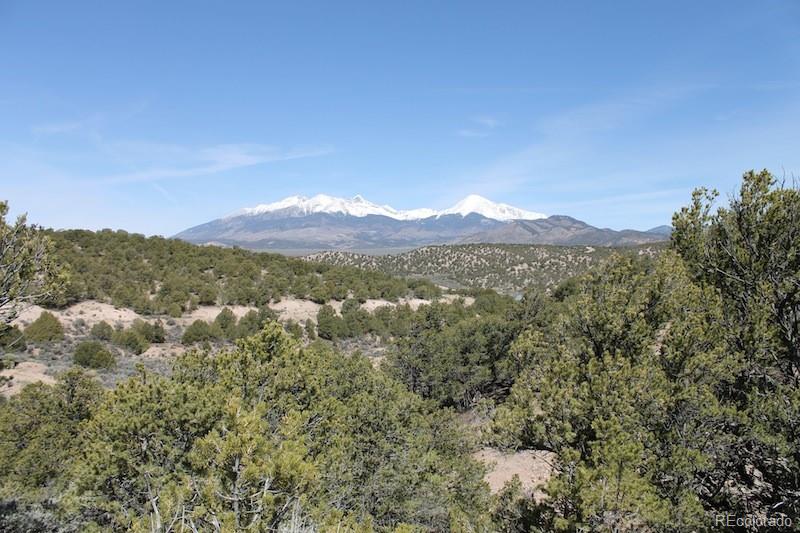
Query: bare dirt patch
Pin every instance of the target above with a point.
(450, 298)
(164, 350)
(534, 468)
(297, 310)
(302, 310)
(90, 312)
(23, 374)
(208, 313)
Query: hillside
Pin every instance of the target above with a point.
(507, 268)
(167, 276)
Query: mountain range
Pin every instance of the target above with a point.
(299, 224)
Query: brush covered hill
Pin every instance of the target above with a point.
(507, 268)
(153, 275)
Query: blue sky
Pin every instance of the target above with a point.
(156, 116)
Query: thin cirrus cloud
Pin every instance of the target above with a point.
(130, 161)
(90, 124)
(470, 133)
(480, 127)
(56, 128)
(209, 160)
(576, 134)
(610, 153)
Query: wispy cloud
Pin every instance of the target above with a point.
(488, 122)
(55, 128)
(215, 159)
(617, 200)
(612, 160)
(469, 133)
(481, 126)
(577, 134)
(163, 192)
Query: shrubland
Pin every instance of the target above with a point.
(669, 389)
(153, 275)
(506, 268)
(666, 386)
(267, 435)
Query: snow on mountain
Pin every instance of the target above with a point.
(360, 207)
(480, 205)
(322, 203)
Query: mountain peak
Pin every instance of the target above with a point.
(474, 203)
(358, 206)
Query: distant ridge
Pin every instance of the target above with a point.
(300, 225)
(661, 230)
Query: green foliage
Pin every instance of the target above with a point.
(226, 323)
(329, 325)
(515, 512)
(201, 331)
(749, 253)
(12, 339)
(136, 338)
(149, 332)
(294, 329)
(311, 331)
(39, 436)
(666, 384)
(92, 354)
(135, 449)
(131, 340)
(28, 271)
(174, 310)
(271, 434)
(253, 321)
(46, 328)
(454, 355)
(506, 268)
(603, 393)
(102, 331)
(157, 275)
(668, 389)
(355, 320)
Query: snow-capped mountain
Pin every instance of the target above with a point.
(480, 205)
(360, 207)
(299, 224)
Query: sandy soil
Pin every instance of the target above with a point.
(414, 303)
(23, 374)
(164, 350)
(297, 310)
(90, 311)
(534, 468)
(450, 298)
(302, 310)
(371, 305)
(209, 312)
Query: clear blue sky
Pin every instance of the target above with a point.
(156, 116)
